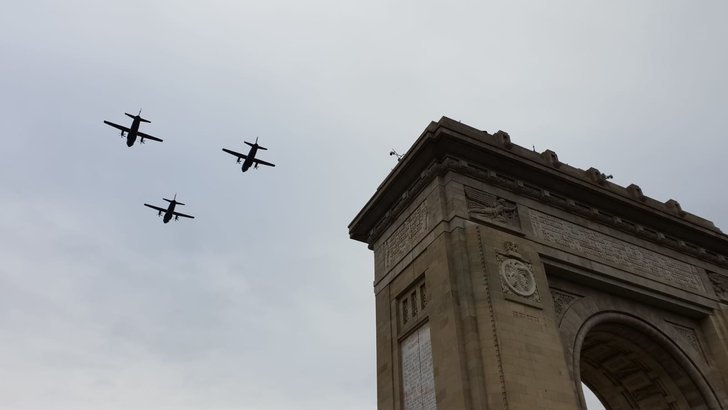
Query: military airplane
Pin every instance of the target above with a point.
(169, 212)
(133, 132)
(250, 158)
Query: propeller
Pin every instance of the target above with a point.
(141, 140)
(176, 217)
(238, 161)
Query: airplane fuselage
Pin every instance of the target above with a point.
(169, 213)
(132, 134)
(251, 156)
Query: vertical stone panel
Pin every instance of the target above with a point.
(417, 376)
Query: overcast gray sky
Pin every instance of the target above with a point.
(262, 301)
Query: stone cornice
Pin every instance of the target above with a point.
(528, 190)
(451, 146)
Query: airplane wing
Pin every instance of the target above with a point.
(237, 154)
(261, 162)
(147, 136)
(156, 207)
(183, 215)
(117, 126)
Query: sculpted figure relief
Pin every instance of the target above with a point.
(720, 284)
(501, 211)
(487, 207)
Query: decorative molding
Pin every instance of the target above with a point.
(597, 245)
(434, 170)
(562, 302)
(516, 275)
(512, 184)
(493, 327)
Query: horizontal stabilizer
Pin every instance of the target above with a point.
(136, 116)
(173, 200)
(255, 145)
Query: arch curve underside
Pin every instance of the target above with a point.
(628, 369)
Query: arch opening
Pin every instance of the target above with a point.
(629, 368)
(592, 401)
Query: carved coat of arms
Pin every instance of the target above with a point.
(516, 275)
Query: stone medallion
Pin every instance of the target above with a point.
(518, 277)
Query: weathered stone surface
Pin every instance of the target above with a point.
(418, 382)
(598, 246)
(406, 236)
(504, 278)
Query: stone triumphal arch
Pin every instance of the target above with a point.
(505, 278)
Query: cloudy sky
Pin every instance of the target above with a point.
(262, 301)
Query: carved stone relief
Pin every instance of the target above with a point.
(720, 284)
(599, 246)
(562, 301)
(689, 335)
(486, 207)
(404, 238)
(516, 274)
(518, 277)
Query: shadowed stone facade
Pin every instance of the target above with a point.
(505, 278)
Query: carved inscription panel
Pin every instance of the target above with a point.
(599, 246)
(418, 379)
(402, 240)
